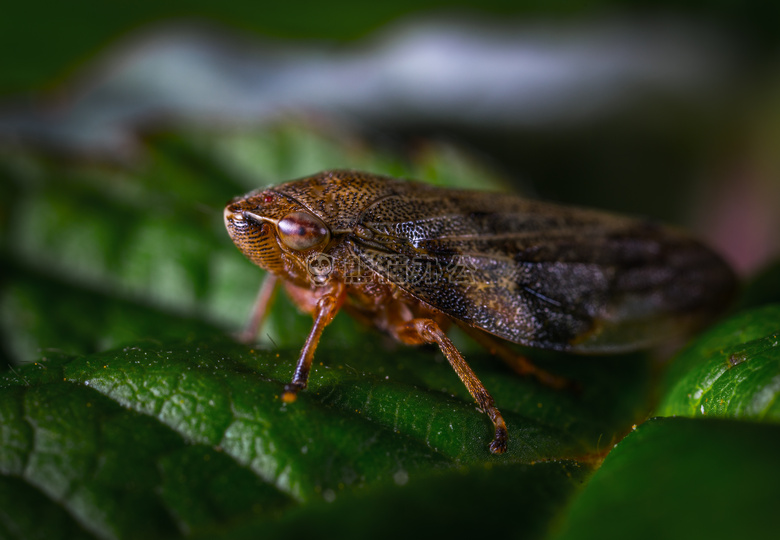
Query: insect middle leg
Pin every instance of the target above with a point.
(419, 331)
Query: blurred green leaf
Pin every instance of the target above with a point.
(39, 312)
(733, 370)
(682, 478)
(516, 500)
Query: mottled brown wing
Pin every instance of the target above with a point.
(540, 274)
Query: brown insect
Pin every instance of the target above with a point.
(411, 259)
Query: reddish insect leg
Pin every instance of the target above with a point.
(327, 307)
(263, 303)
(517, 362)
(428, 331)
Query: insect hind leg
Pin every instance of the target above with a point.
(418, 331)
(517, 362)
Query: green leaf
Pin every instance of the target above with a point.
(513, 500)
(194, 436)
(733, 370)
(105, 464)
(682, 478)
(39, 312)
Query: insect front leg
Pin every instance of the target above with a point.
(428, 331)
(265, 298)
(327, 307)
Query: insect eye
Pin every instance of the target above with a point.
(301, 230)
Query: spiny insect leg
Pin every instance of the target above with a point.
(327, 307)
(265, 298)
(517, 362)
(430, 332)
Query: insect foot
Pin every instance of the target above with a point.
(498, 446)
(291, 390)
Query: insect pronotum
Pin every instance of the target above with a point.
(412, 259)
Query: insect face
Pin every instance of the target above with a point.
(276, 233)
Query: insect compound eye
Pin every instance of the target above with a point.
(301, 230)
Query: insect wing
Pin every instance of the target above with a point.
(540, 274)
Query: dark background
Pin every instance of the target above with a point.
(708, 163)
(42, 41)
